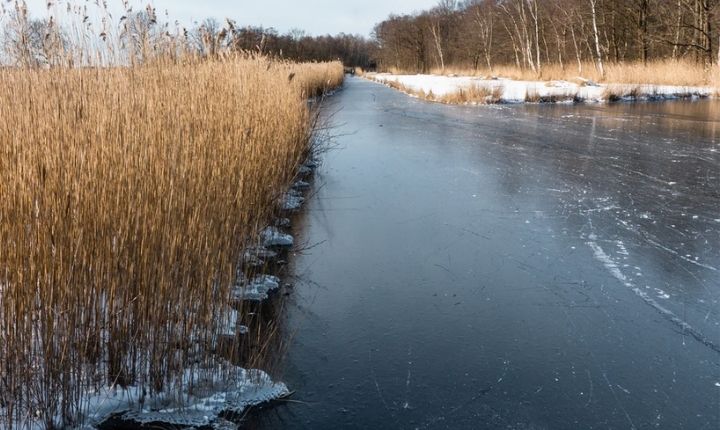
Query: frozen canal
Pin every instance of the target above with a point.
(514, 267)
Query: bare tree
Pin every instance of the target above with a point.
(138, 33)
(30, 42)
(598, 51)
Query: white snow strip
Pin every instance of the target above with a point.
(513, 91)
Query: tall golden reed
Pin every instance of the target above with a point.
(661, 72)
(127, 196)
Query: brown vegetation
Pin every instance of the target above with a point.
(660, 72)
(130, 191)
(475, 94)
(533, 96)
(648, 41)
(129, 195)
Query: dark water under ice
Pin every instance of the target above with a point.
(508, 267)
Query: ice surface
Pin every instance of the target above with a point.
(617, 273)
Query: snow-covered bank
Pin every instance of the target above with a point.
(202, 398)
(453, 89)
(203, 394)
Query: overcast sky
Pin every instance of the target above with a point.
(317, 17)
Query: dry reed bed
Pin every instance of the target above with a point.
(658, 80)
(475, 94)
(128, 197)
(662, 72)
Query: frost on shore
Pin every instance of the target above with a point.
(256, 290)
(292, 200)
(200, 399)
(512, 91)
(272, 236)
(206, 394)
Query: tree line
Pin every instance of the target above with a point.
(533, 33)
(141, 34)
(296, 45)
(468, 34)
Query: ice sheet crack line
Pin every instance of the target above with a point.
(614, 269)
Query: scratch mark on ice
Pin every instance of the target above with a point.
(590, 396)
(682, 257)
(377, 385)
(618, 403)
(611, 266)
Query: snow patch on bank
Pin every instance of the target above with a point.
(512, 91)
(272, 236)
(257, 290)
(293, 200)
(205, 395)
(199, 399)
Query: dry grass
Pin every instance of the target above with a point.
(614, 93)
(715, 79)
(533, 96)
(475, 94)
(680, 73)
(622, 81)
(130, 188)
(128, 196)
(404, 88)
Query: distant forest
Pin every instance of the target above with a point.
(532, 33)
(527, 34)
(352, 50)
(469, 34)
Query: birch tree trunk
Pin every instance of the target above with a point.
(598, 51)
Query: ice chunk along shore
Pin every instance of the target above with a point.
(257, 289)
(272, 236)
(206, 395)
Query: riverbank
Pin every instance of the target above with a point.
(492, 90)
(132, 196)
